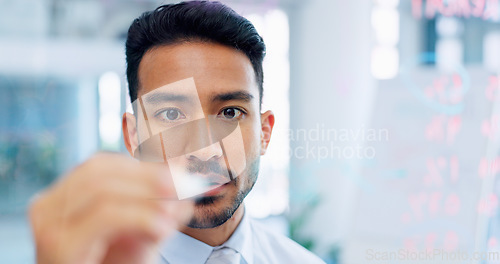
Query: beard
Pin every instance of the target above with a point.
(210, 215)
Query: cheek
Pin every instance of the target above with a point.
(241, 147)
(251, 139)
(234, 147)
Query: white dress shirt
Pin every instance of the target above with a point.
(255, 243)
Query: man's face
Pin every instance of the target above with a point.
(193, 91)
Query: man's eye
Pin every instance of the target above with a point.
(171, 114)
(231, 113)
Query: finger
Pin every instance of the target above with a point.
(90, 236)
(91, 183)
(136, 216)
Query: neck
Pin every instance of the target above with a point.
(218, 235)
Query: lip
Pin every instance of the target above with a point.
(216, 190)
(212, 178)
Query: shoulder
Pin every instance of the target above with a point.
(277, 248)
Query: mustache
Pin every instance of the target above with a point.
(206, 167)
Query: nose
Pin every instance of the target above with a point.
(213, 151)
(203, 143)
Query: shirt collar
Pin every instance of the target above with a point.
(241, 239)
(181, 248)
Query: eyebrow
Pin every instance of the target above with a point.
(239, 95)
(166, 97)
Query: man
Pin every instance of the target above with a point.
(195, 77)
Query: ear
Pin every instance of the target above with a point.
(129, 129)
(267, 124)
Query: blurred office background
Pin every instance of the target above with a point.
(388, 120)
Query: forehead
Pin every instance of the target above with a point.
(213, 67)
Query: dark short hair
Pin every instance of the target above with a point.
(192, 21)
